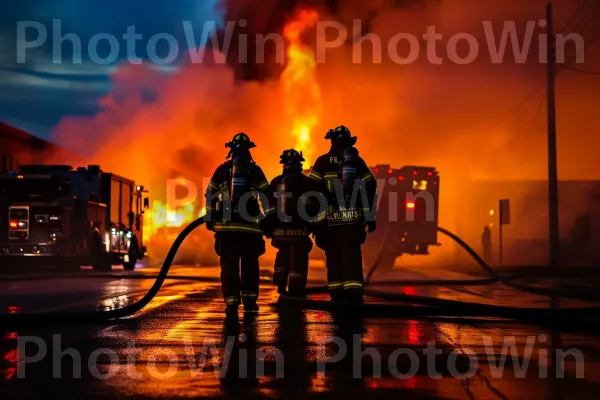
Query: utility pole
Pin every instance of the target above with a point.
(552, 157)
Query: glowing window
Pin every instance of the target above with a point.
(419, 185)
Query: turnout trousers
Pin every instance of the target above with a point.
(291, 264)
(239, 251)
(343, 254)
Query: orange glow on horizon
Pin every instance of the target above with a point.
(419, 114)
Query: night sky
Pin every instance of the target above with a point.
(36, 94)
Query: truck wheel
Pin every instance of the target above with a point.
(129, 266)
(133, 254)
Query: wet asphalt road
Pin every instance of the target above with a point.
(175, 346)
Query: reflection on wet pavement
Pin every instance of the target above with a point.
(182, 345)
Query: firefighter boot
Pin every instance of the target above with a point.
(250, 306)
(354, 298)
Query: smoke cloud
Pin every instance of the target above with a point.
(481, 120)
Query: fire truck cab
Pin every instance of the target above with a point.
(407, 214)
(55, 215)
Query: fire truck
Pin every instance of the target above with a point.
(64, 217)
(407, 214)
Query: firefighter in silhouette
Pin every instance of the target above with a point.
(350, 188)
(298, 209)
(580, 236)
(486, 243)
(234, 214)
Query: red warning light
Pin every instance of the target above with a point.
(414, 172)
(14, 224)
(390, 171)
(400, 178)
(376, 170)
(410, 205)
(429, 173)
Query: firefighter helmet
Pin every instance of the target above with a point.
(292, 158)
(341, 133)
(240, 141)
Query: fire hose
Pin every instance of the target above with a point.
(417, 305)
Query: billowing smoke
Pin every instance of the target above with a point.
(480, 120)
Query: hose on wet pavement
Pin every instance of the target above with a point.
(417, 305)
(432, 306)
(104, 315)
(511, 281)
(495, 277)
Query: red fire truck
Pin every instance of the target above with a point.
(56, 215)
(407, 214)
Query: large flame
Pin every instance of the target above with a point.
(417, 114)
(160, 218)
(302, 100)
(301, 90)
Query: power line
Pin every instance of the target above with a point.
(586, 47)
(518, 106)
(585, 9)
(589, 43)
(587, 15)
(542, 102)
(581, 8)
(581, 71)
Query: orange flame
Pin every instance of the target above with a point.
(161, 217)
(302, 92)
(302, 98)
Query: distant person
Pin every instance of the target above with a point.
(486, 243)
(580, 235)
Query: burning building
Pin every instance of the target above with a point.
(418, 113)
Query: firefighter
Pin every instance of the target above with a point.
(486, 243)
(234, 214)
(346, 218)
(580, 236)
(298, 209)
